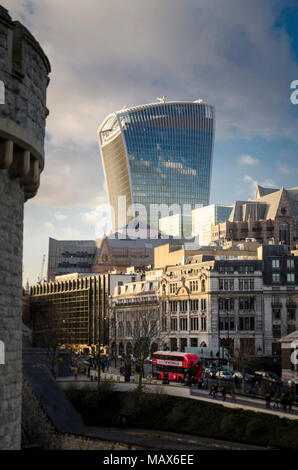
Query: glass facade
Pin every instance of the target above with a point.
(168, 151)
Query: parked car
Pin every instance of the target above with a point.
(240, 376)
(268, 376)
(224, 374)
(210, 372)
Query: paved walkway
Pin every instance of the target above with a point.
(243, 402)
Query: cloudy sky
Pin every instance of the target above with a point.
(238, 55)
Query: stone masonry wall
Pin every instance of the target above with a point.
(11, 242)
(24, 70)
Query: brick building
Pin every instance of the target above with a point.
(271, 217)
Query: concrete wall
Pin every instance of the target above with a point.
(24, 71)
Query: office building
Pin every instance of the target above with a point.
(176, 225)
(158, 153)
(237, 304)
(68, 256)
(204, 217)
(73, 310)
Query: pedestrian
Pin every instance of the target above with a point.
(210, 390)
(290, 403)
(75, 373)
(165, 378)
(236, 380)
(275, 398)
(284, 402)
(108, 365)
(88, 372)
(103, 365)
(233, 395)
(224, 393)
(214, 391)
(268, 400)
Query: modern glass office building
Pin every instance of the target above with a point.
(159, 153)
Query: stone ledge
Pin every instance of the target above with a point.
(20, 164)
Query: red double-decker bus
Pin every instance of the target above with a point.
(175, 364)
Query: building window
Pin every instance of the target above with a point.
(203, 304)
(227, 323)
(284, 234)
(183, 305)
(246, 303)
(226, 284)
(275, 314)
(173, 306)
(276, 331)
(275, 264)
(174, 324)
(290, 264)
(194, 305)
(194, 342)
(183, 344)
(183, 324)
(203, 324)
(291, 329)
(275, 277)
(291, 314)
(246, 323)
(173, 287)
(194, 323)
(225, 304)
(246, 284)
(194, 286)
(164, 323)
(173, 344)
(291, 277)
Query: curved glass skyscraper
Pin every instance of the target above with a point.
(159, 153)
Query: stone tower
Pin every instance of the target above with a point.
(24, 70)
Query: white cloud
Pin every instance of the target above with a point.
(100, 219)
(267, 183)
(60, 217)
(68, 233)
(284, 169)
(248, 160)
(49, 226)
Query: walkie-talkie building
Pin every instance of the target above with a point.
(159, 153)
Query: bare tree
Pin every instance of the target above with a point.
(147, 335)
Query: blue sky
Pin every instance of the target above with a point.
(239, 56)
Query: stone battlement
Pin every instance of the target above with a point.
(24, 70)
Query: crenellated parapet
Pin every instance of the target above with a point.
(24, 70)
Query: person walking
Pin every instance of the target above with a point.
(268, 400)
(275, 398)
(284, 402)
(233, 395)
(290, 403)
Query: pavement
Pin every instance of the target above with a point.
(243, 402)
